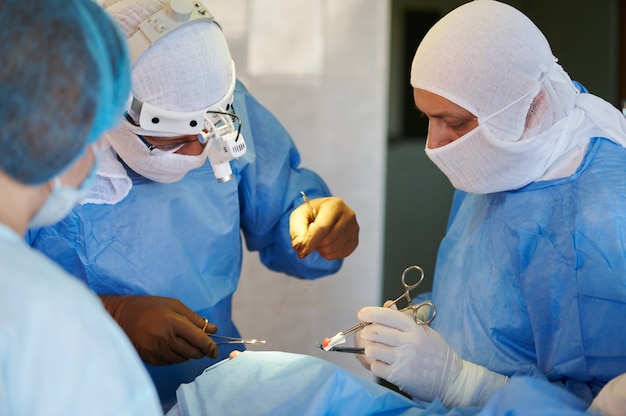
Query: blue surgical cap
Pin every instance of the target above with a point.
(64, 80)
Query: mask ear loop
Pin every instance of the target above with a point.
(536, 90)
(89, 179)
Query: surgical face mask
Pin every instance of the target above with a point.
(165, 167)
(480, 163)
(62, 199)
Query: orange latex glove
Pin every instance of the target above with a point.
(334, 232)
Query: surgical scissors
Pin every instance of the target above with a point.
(330, 343)
(231, 340)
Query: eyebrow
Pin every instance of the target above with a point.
(447, 115)
(443, 114)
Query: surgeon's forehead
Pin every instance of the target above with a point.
(434, 105)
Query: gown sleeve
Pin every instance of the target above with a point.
(269, 190)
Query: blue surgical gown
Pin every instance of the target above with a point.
(533, 281)
(60, 352)
(183, 240)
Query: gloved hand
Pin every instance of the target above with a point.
(422, 313)
(359, 342)
(334, 233)
(419, 361)
(611, 401)
(163, 330)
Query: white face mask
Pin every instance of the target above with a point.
(61, 200)
(480, 163)
(163, 168)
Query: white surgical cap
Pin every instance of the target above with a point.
(188, 69)
(486, 56)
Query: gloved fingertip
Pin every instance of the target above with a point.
(296, 244)
(365, 333)
(362, 313)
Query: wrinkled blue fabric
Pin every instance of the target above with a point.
(533, 281)
(60, 352)
(183, 240)
(530, 396)
(279, 383)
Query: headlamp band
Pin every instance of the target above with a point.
(155, 119)
(177, 14)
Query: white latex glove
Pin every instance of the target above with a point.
(422, 313)
(419, 361)
(359, 342)
(611, 401)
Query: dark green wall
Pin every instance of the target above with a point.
(584, 37)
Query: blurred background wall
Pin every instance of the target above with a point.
(321, 67)
(335, 72)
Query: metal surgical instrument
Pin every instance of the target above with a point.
(329, 344)
(308, 204)
(231, 340)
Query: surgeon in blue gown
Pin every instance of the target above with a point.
(531, 275)
(64, 79)
(160, 237)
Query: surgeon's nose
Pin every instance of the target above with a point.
(438, 137)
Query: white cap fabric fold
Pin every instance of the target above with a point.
(187, 70)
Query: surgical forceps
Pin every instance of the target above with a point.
(329, 344)
(231, 340)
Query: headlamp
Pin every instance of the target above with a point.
(216, 125)
(177, 14)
